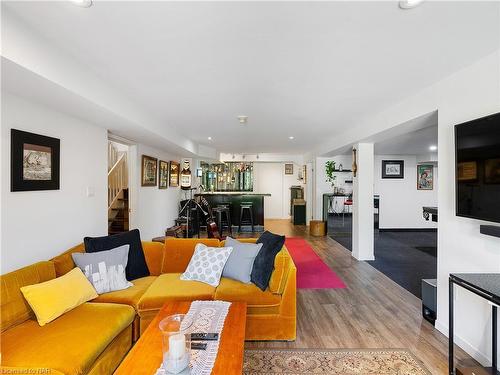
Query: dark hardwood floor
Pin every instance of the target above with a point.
(372, 312)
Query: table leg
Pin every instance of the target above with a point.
(494, 336)
(451, 362)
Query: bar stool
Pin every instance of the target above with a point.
(220, 210)
(347, 203)
(246, 207)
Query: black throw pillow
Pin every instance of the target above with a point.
(136, 264)
(263, 264)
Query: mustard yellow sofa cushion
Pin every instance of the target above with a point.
(14, 308)
(169, 287)
(258, 301)
(153, 252)
(281, 262)
(178, 252)
(52, 298)
(70, 344)
(113, 355)
(63, 263)
(129, 296)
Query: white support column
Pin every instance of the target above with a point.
(362, 212)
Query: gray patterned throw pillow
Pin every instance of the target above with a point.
(105, 269)
(207, 264)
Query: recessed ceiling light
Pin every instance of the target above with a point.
(291, 137)
(243, 119)
(82, 3)
(209, 138)
(433, 148)
(409, 4)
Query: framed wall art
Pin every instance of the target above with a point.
(149, 171)
(425, 177)
(393, 169)
(288, 168)
(163, 174)
(174, 174)
(34, 161)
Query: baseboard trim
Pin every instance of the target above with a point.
(407, 230)
(468, 348)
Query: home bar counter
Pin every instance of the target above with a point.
(234, 200)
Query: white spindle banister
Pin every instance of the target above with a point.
(117, 179)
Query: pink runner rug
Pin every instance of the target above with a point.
(312, 272)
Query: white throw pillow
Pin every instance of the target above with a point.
(207, 264)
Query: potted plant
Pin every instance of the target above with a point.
(329, 170)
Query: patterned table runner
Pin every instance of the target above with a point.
(207, 317)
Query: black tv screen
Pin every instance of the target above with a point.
(477, 145)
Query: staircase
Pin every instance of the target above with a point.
(118, 197)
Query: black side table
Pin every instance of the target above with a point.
(487, 286)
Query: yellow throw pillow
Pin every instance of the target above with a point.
(50, 299)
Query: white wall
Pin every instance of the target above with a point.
(400, 201)
(468, 94)
(41, 224)
(270, 178)
(38, 225)
(153, 209)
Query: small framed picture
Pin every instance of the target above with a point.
(393, 169)
(163, 175)
(149, 170)
(174, 174)
(288, 168)
(34, 161)
(425, 177)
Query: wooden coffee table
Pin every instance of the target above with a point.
(146, 355)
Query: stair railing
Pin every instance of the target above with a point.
(117, 179)
(113, 155)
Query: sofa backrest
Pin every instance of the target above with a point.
(14, 308)
(153, 251)
(178, 252)
(63, 263)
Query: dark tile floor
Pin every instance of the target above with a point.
(406, 257)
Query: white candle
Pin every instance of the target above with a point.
(176, 346)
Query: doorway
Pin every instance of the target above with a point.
(118, 187)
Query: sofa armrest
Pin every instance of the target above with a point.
(288, 305)
(153, 251)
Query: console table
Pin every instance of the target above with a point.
(487, 286)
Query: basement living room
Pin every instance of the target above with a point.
(289, 187)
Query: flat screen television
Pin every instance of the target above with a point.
(477, 145)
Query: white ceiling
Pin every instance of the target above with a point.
(412, 143)
(295, 68)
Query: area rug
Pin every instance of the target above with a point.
(312, 272)
(332, 362)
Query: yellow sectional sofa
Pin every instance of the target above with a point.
(90, 339)
(94, 337)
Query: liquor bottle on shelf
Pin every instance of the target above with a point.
(185, 176)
